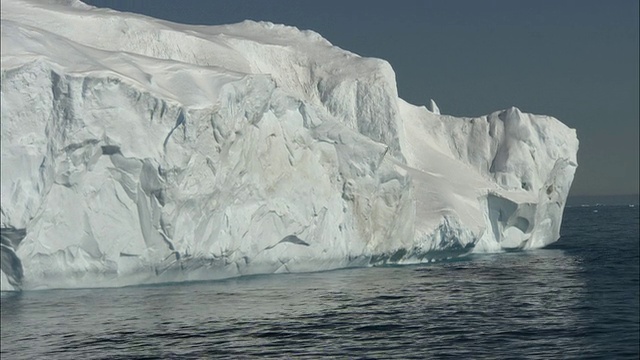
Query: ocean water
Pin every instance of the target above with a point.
(577, 299)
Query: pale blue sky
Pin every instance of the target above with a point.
(576, 60)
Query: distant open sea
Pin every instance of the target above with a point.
(577, 299)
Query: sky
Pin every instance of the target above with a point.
(576, 60)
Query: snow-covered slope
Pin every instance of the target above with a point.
(136, 150)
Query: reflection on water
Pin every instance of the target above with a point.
(568, 302)
(515, 302)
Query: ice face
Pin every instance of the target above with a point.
(145, 151)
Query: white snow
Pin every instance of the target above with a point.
(434, 107)
(136, 150)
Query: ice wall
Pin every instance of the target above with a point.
(143, 151)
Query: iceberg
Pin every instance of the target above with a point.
(135, 150)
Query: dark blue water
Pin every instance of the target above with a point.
(577, 299)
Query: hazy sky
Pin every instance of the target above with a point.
(576, 60)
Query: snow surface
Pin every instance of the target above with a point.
(136, 151)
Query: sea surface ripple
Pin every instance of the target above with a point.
(577, 299)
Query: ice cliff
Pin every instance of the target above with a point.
(136, 150)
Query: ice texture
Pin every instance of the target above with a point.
(137, 151)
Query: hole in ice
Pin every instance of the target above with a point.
(550, 189)
(294, 240)
(290, 239)
(522, 224)
(12, 237)
(10, 263)
(127, 255)
(398, 255)
(110, 149)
